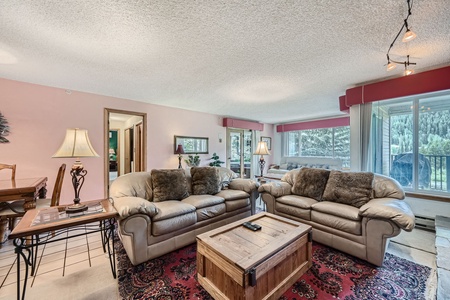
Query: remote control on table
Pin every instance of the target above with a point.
(258, 227)
(249, 226)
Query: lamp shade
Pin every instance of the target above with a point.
(76, 144)
(179, 150)
(262, 149)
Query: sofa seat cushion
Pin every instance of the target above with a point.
(297, 201)
(233, 205)
(173, 224)
(200, 201)
(209, 212)
(232, 194)
(172, 208)
(294, 211)
(337, 209)
(335, 222)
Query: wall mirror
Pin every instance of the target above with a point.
(191, 145)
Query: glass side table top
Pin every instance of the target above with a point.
(58, 213)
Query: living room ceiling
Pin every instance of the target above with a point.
(262, 60)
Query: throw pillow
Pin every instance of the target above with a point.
(169, 184)
(310, 183)
(205, 180)
(352, 188)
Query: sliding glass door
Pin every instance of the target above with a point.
(239, 152)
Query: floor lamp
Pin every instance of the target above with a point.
(76, 144)
(262, 150)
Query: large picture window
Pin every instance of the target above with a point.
(411, 142)
(324, 142)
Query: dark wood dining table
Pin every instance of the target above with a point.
(28, 189)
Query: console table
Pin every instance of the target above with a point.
(56, 223)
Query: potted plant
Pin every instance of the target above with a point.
(216, 161)
(193, 160)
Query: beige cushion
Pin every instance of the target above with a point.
(246, 185)
(233, 205)
(136, 184)
(199, 201)
(127, 206)
(289, 177)
(297, 201)
(172, 208)
(209, 212)
(205, 180)
(352, 188)
(310, 182)
(386, 187)
(226, 176)
(232, 194)
(169, 184)
(397, 211)
(276, 189)
(294, 211)
(335, 222)
(172, 224)
(337, 209)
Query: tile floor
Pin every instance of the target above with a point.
(57, 261)
(87, 267)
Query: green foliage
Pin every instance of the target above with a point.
(216, 161)
(193, 160)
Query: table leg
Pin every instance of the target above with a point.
(109, 227)
(20, 244)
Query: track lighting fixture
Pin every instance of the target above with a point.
(408, 36)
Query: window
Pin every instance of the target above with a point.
(324, 142)
(411, 141)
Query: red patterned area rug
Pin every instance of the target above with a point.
(333, 275)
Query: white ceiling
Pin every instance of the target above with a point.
(264, 60)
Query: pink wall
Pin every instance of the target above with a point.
(39, 116)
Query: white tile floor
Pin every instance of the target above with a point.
(58, 262)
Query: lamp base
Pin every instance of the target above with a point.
(75, 208)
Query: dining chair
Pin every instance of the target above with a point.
(15, 209)
(12, 167)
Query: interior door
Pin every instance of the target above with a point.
(138, 161)
(239, 152)
(128, 150)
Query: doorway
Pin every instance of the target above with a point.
(125, 143)
(239, 152)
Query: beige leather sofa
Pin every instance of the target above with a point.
(362, 231)
(149, 229)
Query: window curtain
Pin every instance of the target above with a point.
(365, 126)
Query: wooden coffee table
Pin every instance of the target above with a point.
(234, 262)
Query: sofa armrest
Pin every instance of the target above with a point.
(246, 185)
(398, 211)
(128, 206)
(276, 189)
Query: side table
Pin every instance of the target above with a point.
(57, 223)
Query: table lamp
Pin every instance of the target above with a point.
(76, 144)
(262, 150)
(179, 151)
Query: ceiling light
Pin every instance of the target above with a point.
(408, 36)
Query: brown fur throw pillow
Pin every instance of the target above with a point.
(352, 188)
(169, 184)
(310, 182)
(205, 180)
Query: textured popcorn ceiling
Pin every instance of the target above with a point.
(264, 60)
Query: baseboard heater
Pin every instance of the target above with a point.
(426, 223)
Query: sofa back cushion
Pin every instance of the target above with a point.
(136, 184)
(352, 188)
(290, 176)
(169, 184)
(205, 180)
(311, 183)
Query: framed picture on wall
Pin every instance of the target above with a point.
(268, 141)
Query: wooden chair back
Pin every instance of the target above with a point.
(58, 186)
(13, 170)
